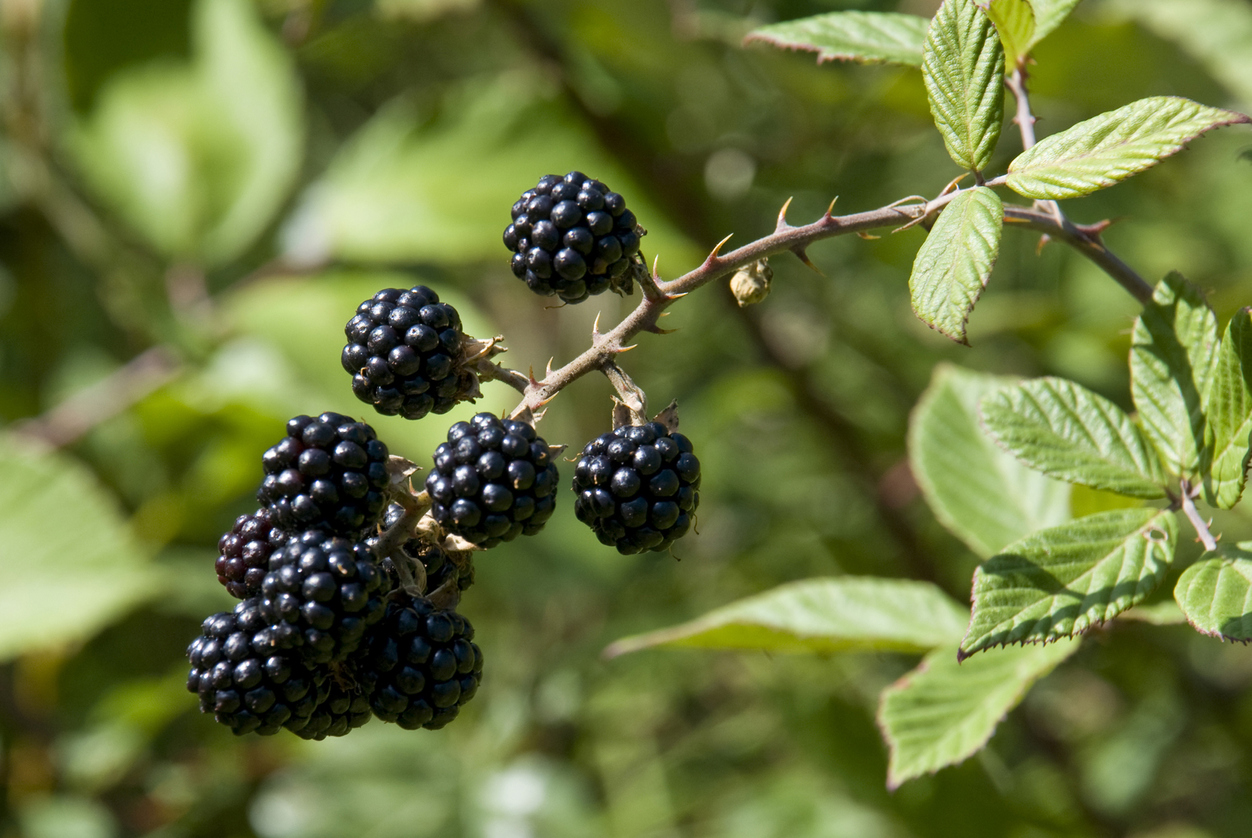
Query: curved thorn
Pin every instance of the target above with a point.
(656, 330)
(715, 254)
(595, 329)
(782, 218)
(656, 268)
(830, 208)
(804, 257)
(620, 349)
(869, 237)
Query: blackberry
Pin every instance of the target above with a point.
(440, 566)
(244, 552)
(637, 487)
(321, 594)
(404, 354)
(327, 472)
(345, 706)
(572, 237)
(245, 680)
(493, 481)
(424, 663)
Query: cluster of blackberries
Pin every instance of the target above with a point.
(405, 354)
(572, 237)
(326, 636)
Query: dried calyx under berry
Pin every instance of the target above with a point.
(244, 553)
(637, 487)
(327, 472)
(493, 480)
(406, 354)
(572, 237)
(440, 565)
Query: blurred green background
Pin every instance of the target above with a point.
(195, 194)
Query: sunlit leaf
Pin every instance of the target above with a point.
(943, 712)
(1062, 581)
(955, 261)
(1049, 14)
(1015, 21)
(976, 489)
(1173, 347)
(851, 36)
(1066, 431)
(1216, 592)
(821, 615)
(1112, 146)
(1228, 415)
(963, 68)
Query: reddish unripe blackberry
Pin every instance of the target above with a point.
(637, 487)
(493, 480)
(328, 472)
(321, 594)
(245, 680)
(424, 664)
(571, 236)
(439, 566)
(404, 354)
(244, 553)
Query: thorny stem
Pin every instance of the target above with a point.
(1193, 515)
(1016, 83)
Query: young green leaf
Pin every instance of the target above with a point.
(963, 69)
(1172, 350)
(1064, 430)
(865, 37)
(1048, 15)
(955, 261)
(943, 711)
(1112, 146)
(981, 493)
(1062, 581)
(846, 614)
(1015, 21)
(1228, 413)
(1216, 592)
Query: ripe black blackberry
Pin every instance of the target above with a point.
(424, 663)
(327, 472)
(438, 564)
(244, 553)
(572, 237)
(321, 594)
(493, 481)
(245, 681)
(345, 706)
(637, 487)
(404, 353)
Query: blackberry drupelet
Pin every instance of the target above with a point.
(637, 487)
(572, 237)
(245, 681)
(424, 663)
(345, 707)
(493, 481)
(328, 472)
(321, 594)
(244, 553)
(440, 566)
(404, 354)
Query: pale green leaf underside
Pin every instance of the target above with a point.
(1228, 415)
(1015, 21)
(955, 261)
(1049, 14)
(980, 492)
(1066, 431)
(1062, 581)
(963, 69)
(68, 565)
(1216, 593)
(851, 36)
(821, 615)
(1173, 347)
(1112, 146)
(944, 711)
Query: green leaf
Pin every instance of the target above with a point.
(821, 615)
(1112, 146)
(1048, 15)
(944, 712)
(975, 488)
(955, 261)
(1228, 414)
(1066, 431)
(851, 36)
(198, 158)
(963, 68)
(1216, 592)
(1173, 347)
(69, 566)
(1063, 580)
(1015, 21)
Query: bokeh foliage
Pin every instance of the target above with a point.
(194, 197)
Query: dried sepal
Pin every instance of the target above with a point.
(668, 417)
(750, 284)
